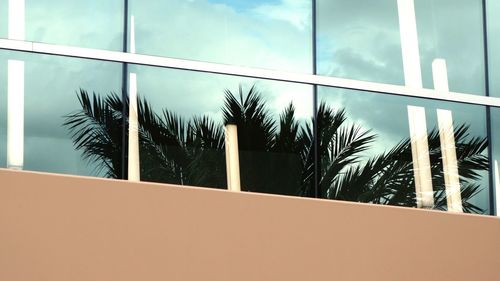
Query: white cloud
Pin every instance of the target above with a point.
(294, 12)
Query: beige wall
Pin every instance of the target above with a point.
(69, 228)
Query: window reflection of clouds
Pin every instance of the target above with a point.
(192, 93)
(364, 43)
(77, 23)
(203, 30)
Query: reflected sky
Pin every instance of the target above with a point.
(387, 117)
(364, 43)
(75, 23)
(274, 35)
(50, 94)
(493, 14)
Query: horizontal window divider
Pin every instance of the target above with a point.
(217, 68)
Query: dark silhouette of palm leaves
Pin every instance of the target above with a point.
(97, 131)
(275, 157)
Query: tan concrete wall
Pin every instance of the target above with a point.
(69, 228)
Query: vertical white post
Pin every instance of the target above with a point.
(447, 139)
(132, 34)
(134, 171)
(15, 91)
(232, 158)
(497, 189)
(420, 156)
(416, 115)
(409, 43)
(16, 19)
(15, 115)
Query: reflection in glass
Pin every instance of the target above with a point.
(16, 19)
(359, 43)
(369, 44)
(232, 157)
(49, 86)
(495, 139)
(181, 121)
(446, 135)
(377, 167)
(76, 23)
(493, 23)
(452, 30)
(15, 114)
(267, 33)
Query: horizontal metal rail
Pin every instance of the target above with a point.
(190, 65)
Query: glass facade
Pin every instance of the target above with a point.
(390, 104)
(51, 84)
(266, 34)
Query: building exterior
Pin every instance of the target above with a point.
(388, 102)
(399, 100)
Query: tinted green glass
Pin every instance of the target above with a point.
(51, 87)
(359, 40)
(366, 152)
(182, 138)
(362, 40)
(493, 22)
(90, 24)
(267, 34)
(495, 139)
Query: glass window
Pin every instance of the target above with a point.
(359, 40)
(82, 23)
(366, 43)
(381, 149)
(4, 13)
(182, 118)
(452, 30)
(493, 16)
(265, 33)
(495, 140)
(43, 142)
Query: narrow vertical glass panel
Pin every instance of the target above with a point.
(368, 150)
(495, 140)
(82, 23)
(493, 23)
(183, 116)
(4, 19)
(267, 33)
(361, 40)
(51, 87)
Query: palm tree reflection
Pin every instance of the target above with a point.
(276, 156)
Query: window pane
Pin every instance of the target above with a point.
(82, 23)
(50, 92)
(267, 34)
(369, 143)
(495, 139)
(493, 14)
(453, 30)
(181, 131)
(359, 43)
(365, 43)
